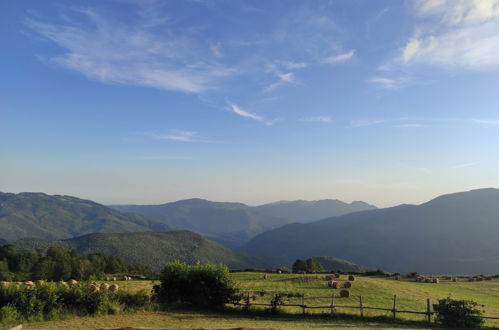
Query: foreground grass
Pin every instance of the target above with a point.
(200, 319)
(376, 292)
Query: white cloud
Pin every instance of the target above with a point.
(319, 119)
(216, 50)
(388, 83)
(410, 126)
(486, 121)
(243, 113)
(132, 52)
(339, 58)
(178, 135)
(456, 33)
(465, 165)
(284, 79)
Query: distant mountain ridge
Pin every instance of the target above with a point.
(155, 249)
(59, 217)
(235, 223)
(454, 233)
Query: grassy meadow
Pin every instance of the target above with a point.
(376, 292)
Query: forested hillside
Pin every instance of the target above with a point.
(155, 249)
(59, 217)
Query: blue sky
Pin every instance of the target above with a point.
(125, 101)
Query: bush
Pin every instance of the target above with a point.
(199, 285)
(458, 313)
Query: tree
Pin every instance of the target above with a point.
(458, 314)
(299, 265)
(313, 266)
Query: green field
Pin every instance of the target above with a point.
(376, 292)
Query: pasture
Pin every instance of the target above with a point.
(375, 291)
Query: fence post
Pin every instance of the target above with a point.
(361, 307)
(428, 310)
(303, 304)
(394, 306)
(248, 301)
(332, 304)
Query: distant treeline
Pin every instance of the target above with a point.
(59, 264)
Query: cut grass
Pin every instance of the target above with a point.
(375, 291)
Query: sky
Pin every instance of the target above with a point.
(124, 101)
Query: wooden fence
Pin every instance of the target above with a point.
(361, 307)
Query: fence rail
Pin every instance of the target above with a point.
(332, 307)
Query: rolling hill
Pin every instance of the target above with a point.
(455, 233)
(154, 249)
(59, 217)
(235, 223)
(337, 264)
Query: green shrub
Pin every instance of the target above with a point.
(199, 285)
(458, 313)
(9, 316)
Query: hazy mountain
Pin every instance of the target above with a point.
(234, 223)
(307, 211)
(3, 242)
(59, 217)
(155, 249)
(455, 233)
(230, 223)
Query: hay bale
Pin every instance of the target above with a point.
(265, 276)
(397, 278)
(344, 293)
(279, 271)
(113, 279)
(454, 279)
(73, 282)
(436, 280)
(347, 285)
(114, 288)
(94, 288)
(63, 284)
(351, 278)
(40, 282)
(3, 283)
(104, 286)
(29, 284)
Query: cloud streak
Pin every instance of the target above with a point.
(132, 53)
(243, 113)
(178, 136)
(339, 58)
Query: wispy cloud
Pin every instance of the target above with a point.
(339, 58)
(464, 34)
(178, 136)
(491, 122)
(410, 126)
(243, 113)
(388, 83)
(465, 165)
(318, 119)
(284, 79)
(131, 52)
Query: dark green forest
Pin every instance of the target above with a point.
(59, 264)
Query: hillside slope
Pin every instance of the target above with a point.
(59, 217)
(154, 249)
(455, 233)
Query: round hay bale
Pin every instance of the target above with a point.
(114, 288)
(436, 280)
(29, 284)
(265, 276)
(114, 279)
(73, 282)
(397, 278)
(94, 288)
(3, 283)
(454, 279)
(104, 286)
(347, 285)
(344, 293)
(279, 271)
(62, 283)
(351, 278)
(40, 282)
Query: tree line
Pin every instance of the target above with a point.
(59, 264)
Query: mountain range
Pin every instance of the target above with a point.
(235, 223)
(455, 233)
